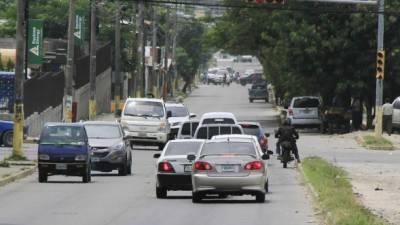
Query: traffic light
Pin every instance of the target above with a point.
(380, 65)
(266, 1)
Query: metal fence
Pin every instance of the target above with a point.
(36, 121)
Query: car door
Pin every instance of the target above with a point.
(396, 111)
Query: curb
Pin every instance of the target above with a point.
(17, 176)
(361, 142)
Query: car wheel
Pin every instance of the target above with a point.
(161, 192)
(122, 170)
(129, 168)
(266, 187)
(260, 197)
(86, 178)
(42, 177)
(196, 197)
(251, 100)
(161, 146)
(8, 138)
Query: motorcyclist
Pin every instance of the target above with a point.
(225, 78)
(287, 133)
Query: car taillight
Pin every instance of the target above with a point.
(165, 167)
(255, 165)
(200, 165)
(290, 111)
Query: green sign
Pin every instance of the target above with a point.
(79, 27)
(35, 42)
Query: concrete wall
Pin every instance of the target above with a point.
(103, 96)
(36, 121)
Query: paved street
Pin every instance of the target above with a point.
(110, 199)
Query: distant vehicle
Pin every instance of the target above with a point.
(210, 130)
(258, 91)
(173, 168)
(145, 121)
(218, 118)
(187, 129)
(64, 150)
(179, 114)
(6, 130)
(229, 167)
(246, 59)
(108, 148)
(396, 113)
(255, 129)
(304, 111)
(251, 78)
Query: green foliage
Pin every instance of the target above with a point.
(335, 194)
(308, 52)
(376, 143)
(10, 66)
(1, 64)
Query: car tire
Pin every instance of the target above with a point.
(161, 192)
(251, 100)
(260, 197)
(129, 168)
(7, 138)
(267, 187)
(196, 197)
(86, 178)
(161, 146)
(122, 170)
(42, 177)
(266, 100)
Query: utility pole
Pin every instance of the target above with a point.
(19, 80)
(140, 52)
(69, 72)
(166, 53)
(117, 84)
(93, 47)
(154, 75)
(379, 82)
(174, 66)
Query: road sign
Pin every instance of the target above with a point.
(35, 42)
(80, 21)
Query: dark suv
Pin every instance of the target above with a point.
(64, 150)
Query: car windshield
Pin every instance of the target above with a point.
(306, 103)
(145, 109)
(101, 131)
(182, 148)
(251, 130)
(218, 121)
(178, 111)
(63, 135)
(222, 148)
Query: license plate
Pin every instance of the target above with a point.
(142, 134)
(61, 166)
(188, 168)
(228, 168)
(95, 159)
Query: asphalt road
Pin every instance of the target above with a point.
(115, 200)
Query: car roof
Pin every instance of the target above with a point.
(145, 99)
(100, 123)
(250, 123)
(243, 136)
(174, 104)
(218, 114)
(223, 140)
(220, 125)
(186, 140)
(64, 124)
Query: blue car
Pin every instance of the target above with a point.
(6, 133)
(64, 150)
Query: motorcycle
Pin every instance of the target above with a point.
(287, 156)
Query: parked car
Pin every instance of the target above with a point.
(145, 121)
(218, 118)
(109, 149)
(229, 167)
(64, 150)
(208, 131)
(304, 111)
(255, 129)
(6, 130)
(179, 114)
(258, 91)
(187, 129)
(396, 113)
(173, 168)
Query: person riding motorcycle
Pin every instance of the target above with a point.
(287, 133)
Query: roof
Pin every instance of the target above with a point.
(145, 99)
(220, 125)
(250, 123)
(101, 123)
(218, 115)
(234, 136)
(235, 140)
(175, 104)
(186, 140)
(65, 124)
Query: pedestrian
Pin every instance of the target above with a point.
(356, 110)
(387, 109)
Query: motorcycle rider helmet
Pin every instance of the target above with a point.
(286, 122)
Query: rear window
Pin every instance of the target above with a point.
(218, 121)
(182, 148)
(255, 87)
(186, 128)
(306, 103)
(251, 129)
(396, 104)
(217, 148)
(212, 131)
(202, 133)
(236, 130)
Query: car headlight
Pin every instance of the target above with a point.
(44, 157)
(118, 146)
(80, 158)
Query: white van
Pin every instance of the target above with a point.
(145, 121)
(396, 113)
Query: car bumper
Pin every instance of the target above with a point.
(252, 183)
(313, 121)
(76, 169)
(175, 181)
(147, 137)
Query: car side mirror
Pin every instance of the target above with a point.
(156, 155)
(267, 134)
(169, 114)
(191, 157)
(192, 115)
(265, 156)
(118, 113)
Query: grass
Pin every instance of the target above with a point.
(16, 158)
(373, 142)
(335, 194)
(4, 163)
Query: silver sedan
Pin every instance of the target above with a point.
(232, 167)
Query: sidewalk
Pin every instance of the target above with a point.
(14, 172)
